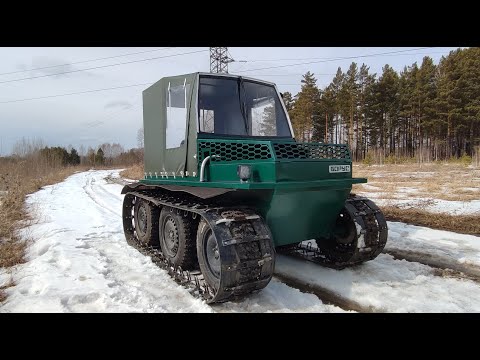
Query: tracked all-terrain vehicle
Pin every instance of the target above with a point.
(227, 186)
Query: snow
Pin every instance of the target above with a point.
(278, 297)
(388, 285)
(80, 262)
(457, 251)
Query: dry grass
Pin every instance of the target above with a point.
(452, 182)
(16, 184)
(465, 224)
(428, 182)
(134, 172)
(3, 296)
(18, 179)
(12, 252)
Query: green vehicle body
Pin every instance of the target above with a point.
(289, 183)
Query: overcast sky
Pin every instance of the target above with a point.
(116, 115)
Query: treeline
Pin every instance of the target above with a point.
(111, 155)
(428, 112)
(103, 155)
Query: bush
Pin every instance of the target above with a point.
(466, 160)
(368, 160)
(390, 159)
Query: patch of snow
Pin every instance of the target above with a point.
(81, 262)
(434, 244)
(361, 236)
(278, 297)
(471, 189)
(370, 187)
(389, 285)
(406, 190)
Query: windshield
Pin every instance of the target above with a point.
(231, 106)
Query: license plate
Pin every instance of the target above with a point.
(339, 168)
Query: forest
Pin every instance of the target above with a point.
(427, 112)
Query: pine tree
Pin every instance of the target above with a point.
(307, 106)
(73, 158)
(351, 89)
(334, 93)
(288, 101)
(365, 88)
(387, 92)
(428, 111)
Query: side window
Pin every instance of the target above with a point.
(176, 115)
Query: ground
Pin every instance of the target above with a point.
(438, 188)
(80, 262)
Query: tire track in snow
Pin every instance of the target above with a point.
(328, 297)
(386, 285)
(90, 191)
(456, 254)
(446, 266)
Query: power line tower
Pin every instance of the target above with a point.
(219, 59)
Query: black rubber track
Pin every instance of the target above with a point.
(370, 236)
(247, 257)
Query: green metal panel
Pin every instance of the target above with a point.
(333, 183)
(295, 215)
(270, 170)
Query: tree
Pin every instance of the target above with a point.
(366, 83)
(427, 112)
(100, 157)
(73, 158)
(307, 107)
(111, 152)
(387, 103)
(334, 93)
(288, 101)
(351, 90)
(55, 156)
(91, 156)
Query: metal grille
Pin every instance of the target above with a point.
(310, 151)
(233, 151)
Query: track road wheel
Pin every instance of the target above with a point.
(341, 246)
(177, 238)
(208, 255)
(146, 222)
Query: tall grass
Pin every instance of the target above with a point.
(134, 172)
(25, 172)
